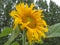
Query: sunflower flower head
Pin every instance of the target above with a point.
(30, 18)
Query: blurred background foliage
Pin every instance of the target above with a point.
(51, 13)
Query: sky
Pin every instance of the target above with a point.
(56, 1)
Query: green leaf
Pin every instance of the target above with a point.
(15, 43)
(14, 34)
(26, 43)
(54, 31)
(5, 31)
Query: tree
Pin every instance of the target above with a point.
(52, 16)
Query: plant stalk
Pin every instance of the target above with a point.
(23, 38)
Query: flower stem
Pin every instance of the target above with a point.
(23, 37)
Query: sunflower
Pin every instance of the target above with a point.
(30, 18)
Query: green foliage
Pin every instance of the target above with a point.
(52, 16)
(5, 32)
(5, 7)
(14, 34)
(54, 31)
(15, 43)
(42, 4)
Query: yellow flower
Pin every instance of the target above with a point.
(30, 18)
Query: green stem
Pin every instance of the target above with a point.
(23, 37)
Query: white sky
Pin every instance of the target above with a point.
(56, 1)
